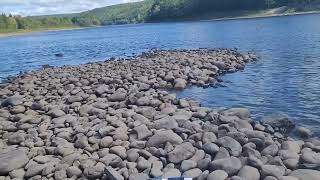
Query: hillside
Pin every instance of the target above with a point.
(156, 11)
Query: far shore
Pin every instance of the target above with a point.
(24, 32)
(236, 17)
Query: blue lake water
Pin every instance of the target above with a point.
(286, 78)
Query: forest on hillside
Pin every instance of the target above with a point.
(139, 12)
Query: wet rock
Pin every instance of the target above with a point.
(242, 113)
(304, 132)
(280, 121)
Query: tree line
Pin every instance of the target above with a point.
(145, 11)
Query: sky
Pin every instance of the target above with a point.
(44, 7)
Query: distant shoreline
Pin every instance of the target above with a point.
(264, 16)
(19, 33)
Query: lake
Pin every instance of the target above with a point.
(286, 78)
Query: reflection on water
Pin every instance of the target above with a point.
(286, 78)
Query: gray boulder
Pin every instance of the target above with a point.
(112, 174)
(12, 101)
(217, 175)
(164, 123)
(181, 152)
(11, 160)
(249, 173)
(162, 137)
(231, 144)
(230, 165)
(306, 174)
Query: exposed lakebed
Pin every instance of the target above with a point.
(286, 77)
(114, 120)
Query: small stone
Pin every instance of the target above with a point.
(34, 170)
(288, 178)
(16, 138)
(18, 173)
(73, 171)
(181, 152)
(139, 176)
(306, 174)
(14, 159)
(180, 83)
(112, 174)
(142, 131)
(210, 148)
(106, 142)
(192, 173)
(55, 113)
(119, 150)
(249, 173)
(162, 137)
(217, 175)
(187, 164)
(231, 165)
(272, 170)
(271, 150)
(172, 172)
(12, 101)
(231, 144)
(165, 123)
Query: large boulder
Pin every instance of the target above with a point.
(11, 160)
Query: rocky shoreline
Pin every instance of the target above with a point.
(115, 120)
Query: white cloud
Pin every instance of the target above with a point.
(41, 7)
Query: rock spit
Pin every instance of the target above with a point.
(115, 120)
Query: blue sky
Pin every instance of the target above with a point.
(41, 7)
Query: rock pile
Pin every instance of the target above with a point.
(114, 120)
